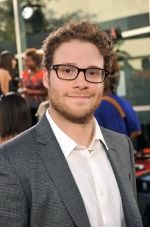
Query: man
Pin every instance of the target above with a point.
(66, 171)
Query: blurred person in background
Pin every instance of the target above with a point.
(7, 70)
(42, 109)
(31, 85)
(15, 116)
(115, 112)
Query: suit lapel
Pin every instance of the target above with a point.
(120, 164)
(118, 159)
(59, 171)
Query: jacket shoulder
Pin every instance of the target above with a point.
(21, 143)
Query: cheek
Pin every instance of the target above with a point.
(54, 86)
(98, 95)
(57, 85)
(99, 90)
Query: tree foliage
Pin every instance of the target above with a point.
(6, 22)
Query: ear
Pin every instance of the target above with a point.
(46, 79)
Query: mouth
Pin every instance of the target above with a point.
(79, 97)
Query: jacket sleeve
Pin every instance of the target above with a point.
(13, 203)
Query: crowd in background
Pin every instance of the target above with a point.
(20, 95)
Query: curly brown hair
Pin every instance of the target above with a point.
(83, 31)
(111, 83)
(34, 55)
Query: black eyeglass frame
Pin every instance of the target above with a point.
(55, 68)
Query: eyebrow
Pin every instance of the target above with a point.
(73, 64)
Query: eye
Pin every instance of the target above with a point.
(67, 69)
(93, 72)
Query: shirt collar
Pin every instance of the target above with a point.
(66, 143)
(98, 134)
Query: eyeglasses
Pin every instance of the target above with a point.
(70, 72)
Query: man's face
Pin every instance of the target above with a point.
(75, 100)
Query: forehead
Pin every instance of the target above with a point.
(26, 57)
(77, 52)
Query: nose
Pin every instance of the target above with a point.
(80, 81)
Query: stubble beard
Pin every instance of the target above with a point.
(68, 113)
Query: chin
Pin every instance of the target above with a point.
(79, 114)
(76, 117)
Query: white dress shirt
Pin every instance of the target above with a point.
(94, 177)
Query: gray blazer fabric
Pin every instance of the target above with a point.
(37, 188)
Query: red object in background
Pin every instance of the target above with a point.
(146, 166)
(146, 150)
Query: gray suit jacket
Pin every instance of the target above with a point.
(37, 188)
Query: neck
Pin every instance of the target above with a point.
(33, 70)
(82, 134)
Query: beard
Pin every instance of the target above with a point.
(77, 115)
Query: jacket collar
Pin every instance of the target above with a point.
(60, 172)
